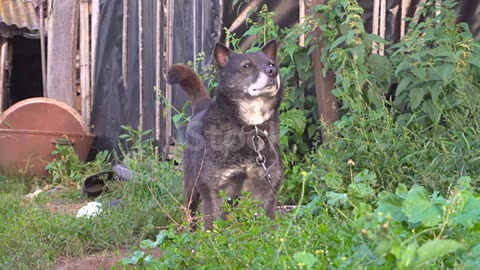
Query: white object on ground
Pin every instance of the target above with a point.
(89, 210)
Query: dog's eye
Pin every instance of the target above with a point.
(271, 65)
(247, 65)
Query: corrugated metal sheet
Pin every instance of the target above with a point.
(21, 13)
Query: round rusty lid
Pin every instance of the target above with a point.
(43, 114)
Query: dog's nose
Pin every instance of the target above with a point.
(271, 71)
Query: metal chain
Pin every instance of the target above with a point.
(261, 159)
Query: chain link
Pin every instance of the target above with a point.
(261, 159)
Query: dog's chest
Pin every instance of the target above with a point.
(238, 179)
(254, 112)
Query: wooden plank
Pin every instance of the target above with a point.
(95, 24)
(85, 61)
(375, 29)
(301, 19)
(158, 74)
(62, 37)
(383, 24)
(140, 66)
(125, 44)
(3, 73)
(404, 9)
(41, 22)
(168, 88)
(326, 101)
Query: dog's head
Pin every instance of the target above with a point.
(250, 82)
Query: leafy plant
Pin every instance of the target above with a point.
(430, 80)
(67, 170)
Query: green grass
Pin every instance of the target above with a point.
(33, 236)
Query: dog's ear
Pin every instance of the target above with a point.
(222, 54)
(270, 49)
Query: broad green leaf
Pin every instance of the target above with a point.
(446, 72)
(441, 51)
(376, 38)
(332, 180)
(337, 42)
(420, 73)
(433, 111)
(408, 256)
(401, 191)
(464, 183)
(177, 120)
(252, 31)
(362, 190)
(375, 96)
(404, 83)
(349, 37)
(474, 60)
(418, 207)
(471, 258)
(311, 130)
(405, 65)
(380, 66)
(467, 213)
(137, 255)
(435, 91)
(383, 246)
(336, 198)
(436, 248)
(306, 258)
(145, 244)
(390, 203)
(416, 97)
(365, 176)
(295, 120)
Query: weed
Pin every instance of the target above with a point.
(68, 170)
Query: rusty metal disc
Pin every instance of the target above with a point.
(31, 129)
(43, 114)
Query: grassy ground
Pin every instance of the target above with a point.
(37, 231)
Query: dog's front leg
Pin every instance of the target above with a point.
(211, 207)
(270, 205)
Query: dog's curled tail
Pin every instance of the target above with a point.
(192, 85)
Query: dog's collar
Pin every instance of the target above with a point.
(248, 129)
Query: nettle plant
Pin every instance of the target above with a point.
(427, 131)
(437, 85)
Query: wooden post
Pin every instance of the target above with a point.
(375, 19)
(3, 74)
(62, 41)
(95, 21)
(405, 5)
(326, 101)
(158, 73)
(301, 19)
(125, 44)
(168, 89)
(85, 61)
(140, 65)
(383, 24)
(41, 22)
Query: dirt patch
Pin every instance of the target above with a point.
(95, 262)
(63, 208)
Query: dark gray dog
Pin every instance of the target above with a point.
(233, 140)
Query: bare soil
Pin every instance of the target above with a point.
(93, 262)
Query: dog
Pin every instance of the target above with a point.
(232, 141)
